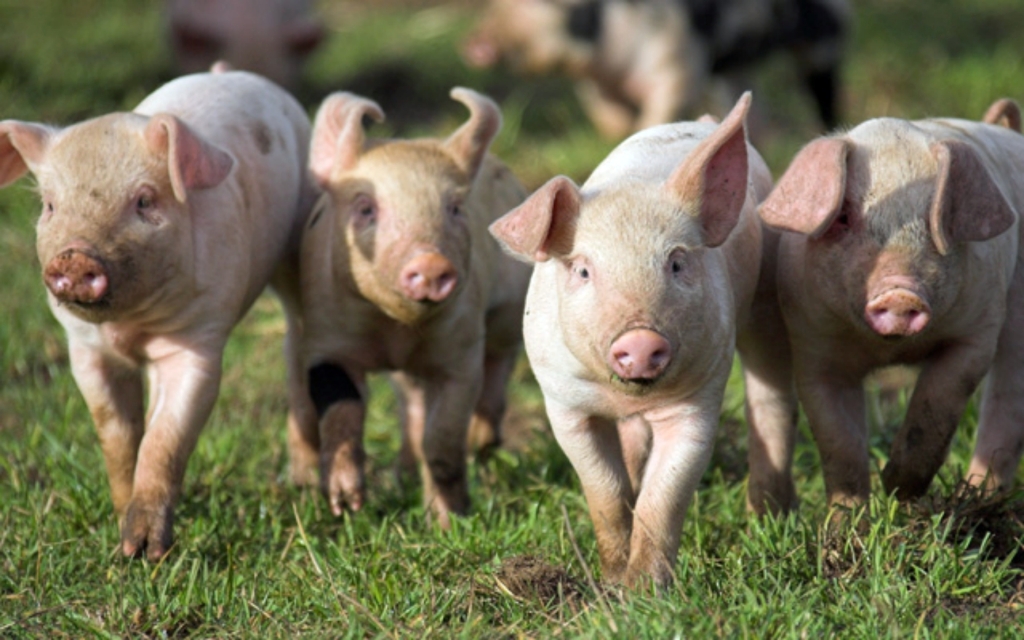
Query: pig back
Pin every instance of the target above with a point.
(247, 225)
(496, 191)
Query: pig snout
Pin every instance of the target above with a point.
(428, 276)
(639, 355)
(74, 276)
(899, 311)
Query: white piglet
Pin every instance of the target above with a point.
(645, 278)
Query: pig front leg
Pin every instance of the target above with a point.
(834, 405)
(1000, 439)
(340, 402)
(593, 447)
(113, 392)
(437, 419)
(940, 397)
(683, 439)
(183, 388)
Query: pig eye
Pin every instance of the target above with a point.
(581, 271)
(49, 207)
(144, 202)
(365, 208)
(455, 210)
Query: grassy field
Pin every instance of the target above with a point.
(256, 557)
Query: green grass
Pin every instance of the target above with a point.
(256, 557)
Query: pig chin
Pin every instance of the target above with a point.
(636, 387)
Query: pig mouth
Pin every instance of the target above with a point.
(633, 386)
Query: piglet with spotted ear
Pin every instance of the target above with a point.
(903, 246)
(159, 229)
(400, 275)
(645, 280)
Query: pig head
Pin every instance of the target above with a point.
(903, 247)
(643, 278)
(400, 275)
(158, 230)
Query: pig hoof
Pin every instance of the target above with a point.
(146, 531)
(905, 486)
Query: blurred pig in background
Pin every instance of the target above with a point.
(269, 37)
(644, 62)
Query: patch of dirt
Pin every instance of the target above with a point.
(531, 578)
(970, 513)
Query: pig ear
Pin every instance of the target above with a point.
(968, 205)
(22, 146)
(304, 36)
(543, 225)
(470, 142)
(1005, 113)
(192, 162)
(707, 118)
(338, 133)
(714, 175)
(810, 194)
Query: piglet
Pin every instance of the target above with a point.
(159, 229)
(645, 279)
(400, 275)
(903, 246)
(269, 37)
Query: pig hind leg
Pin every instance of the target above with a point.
(1000, 440)
(485, 428)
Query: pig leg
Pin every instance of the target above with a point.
(114, 395)
(340, 400)
(683, 439)
(939, 400)
(612, 119)
(1000, 439)
(183, 388)
(592, 446)
(835, 411)
(485, 429)
(411, 413)
(770, 405)
(303, 425)
(446, 408)
(635, 437)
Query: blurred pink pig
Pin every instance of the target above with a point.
(269, 37)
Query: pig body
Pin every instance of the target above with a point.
(159, 229)
(644, 63)
(905, 249)
(400, 275)
(645, 279)
(269, 37)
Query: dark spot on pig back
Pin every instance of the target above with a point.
(261, 136)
